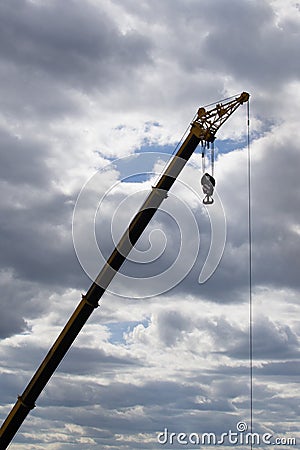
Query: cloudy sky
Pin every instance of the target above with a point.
(84, 83)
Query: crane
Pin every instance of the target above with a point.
(202, 131)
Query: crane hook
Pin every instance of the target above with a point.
(208, 183)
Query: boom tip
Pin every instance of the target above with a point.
(244, 97)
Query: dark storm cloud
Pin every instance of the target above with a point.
(70, 46)
(23, 161)
(248, 40)
(84, 361)
(170, 325)
(78, 361)
(35, 227)
(11, 323)
(118, 396)
(35, 221)
(276, 242)
(37, 242)
(48, 49)
(245, 39)
(271, 341)
(9, 385)
(20, 300)
(281, 369)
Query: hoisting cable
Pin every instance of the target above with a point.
(203, 159)
(212, 157)
(250, 272)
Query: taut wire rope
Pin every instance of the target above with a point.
(250, 271)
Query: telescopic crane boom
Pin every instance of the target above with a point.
(203, 130)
